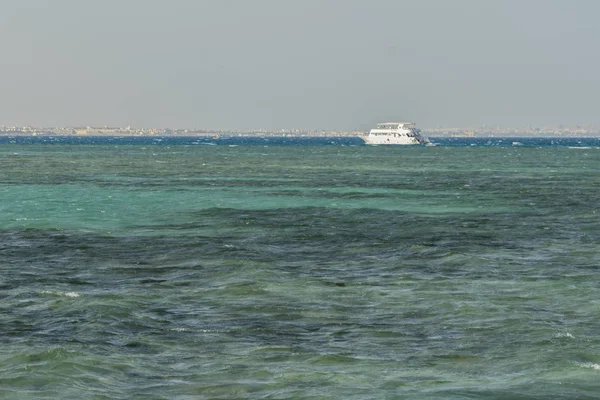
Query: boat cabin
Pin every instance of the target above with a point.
(396, 125)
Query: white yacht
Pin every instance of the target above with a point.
(395, 133)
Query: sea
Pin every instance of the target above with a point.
(299, 268)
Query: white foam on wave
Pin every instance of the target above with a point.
(65, 294)
(199, 330)
(590, 365)
(565, 335)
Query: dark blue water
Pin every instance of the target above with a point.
(289, 141)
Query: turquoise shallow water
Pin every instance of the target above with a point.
(173, 271)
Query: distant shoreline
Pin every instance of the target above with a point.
(218, 135)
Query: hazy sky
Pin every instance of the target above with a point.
(331, 64)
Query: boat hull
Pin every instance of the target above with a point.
(390, 139)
